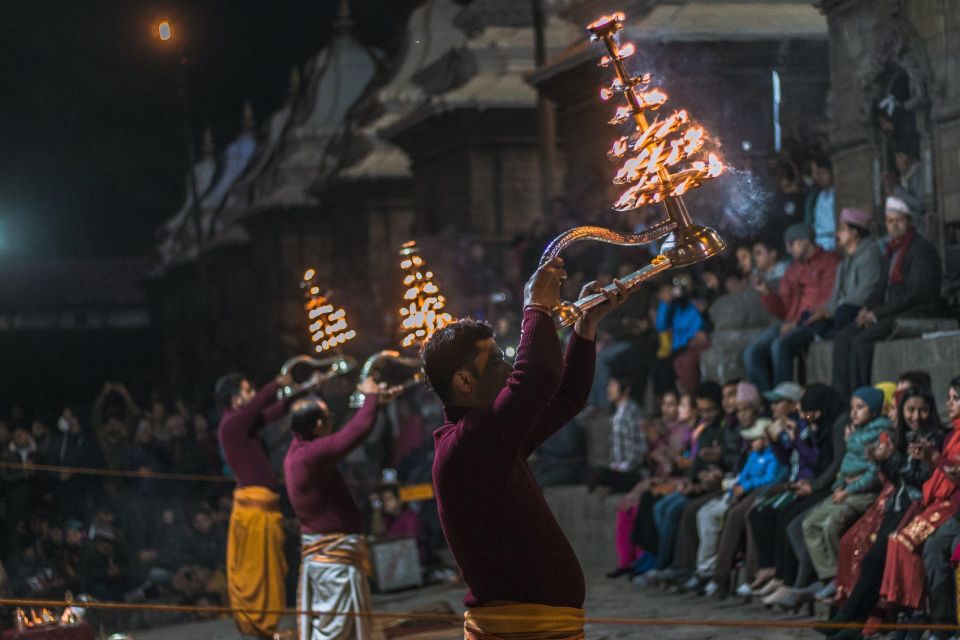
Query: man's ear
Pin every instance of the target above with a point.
(463, 382)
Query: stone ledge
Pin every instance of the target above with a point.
(588, 520)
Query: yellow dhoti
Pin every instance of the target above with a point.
(256, 566)
(522, 621)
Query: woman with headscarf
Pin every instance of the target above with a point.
(807, 483)
(863, 548)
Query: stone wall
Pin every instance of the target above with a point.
(871, 43)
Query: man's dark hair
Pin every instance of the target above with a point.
(227, 387)
(709, 391)
(304, 416)
(767, 243)
(449, 350)
(732, 382)
(823, 162)
(390, 488)
(917, 379)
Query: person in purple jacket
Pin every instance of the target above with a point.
(335, 564)
(510, 549)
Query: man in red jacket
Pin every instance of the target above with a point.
(335, 565)
(512, 554)
(804, 288)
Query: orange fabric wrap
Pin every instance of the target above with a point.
(256, 566)
(522, 621)
(329, 550)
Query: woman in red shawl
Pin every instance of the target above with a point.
(904, 578)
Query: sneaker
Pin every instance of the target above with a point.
(711, 589)
(619, 571)
(814, 587)
(827, 592)
(769, 587)
(653, 575)
(641, 582)
(693, 583)
(672, 576)
(744, 590)
(644, 564)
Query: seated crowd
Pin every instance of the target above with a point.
(795, 495)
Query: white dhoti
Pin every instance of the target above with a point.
(333, 587)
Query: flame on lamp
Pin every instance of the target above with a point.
(660, 158)
(328, 324)
(423, 303)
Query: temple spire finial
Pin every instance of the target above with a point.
(248, 123)
(344, 21)
(294, 80)
(207, 148)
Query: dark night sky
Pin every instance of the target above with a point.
(92, 135)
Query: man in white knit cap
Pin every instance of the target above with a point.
(912, 289)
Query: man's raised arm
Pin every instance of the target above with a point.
(263, 408)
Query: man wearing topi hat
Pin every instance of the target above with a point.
(911, 267)
(860, 273)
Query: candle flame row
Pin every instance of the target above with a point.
(328, 324)
(422, 311)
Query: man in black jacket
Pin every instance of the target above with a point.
(912, 290)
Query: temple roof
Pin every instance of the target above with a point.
(430, 34)
(703, 21)
(488, 71)
(337, 78)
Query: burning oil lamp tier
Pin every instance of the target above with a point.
(660, 160)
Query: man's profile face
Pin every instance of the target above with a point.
(763, 257)
(798, 248)
(323, 424)
(490, 371)
(707, 409)
(245, 396)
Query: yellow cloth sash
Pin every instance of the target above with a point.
(256, 566)
(334, 548)
(523, 621)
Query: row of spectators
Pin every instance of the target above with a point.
(794, 495)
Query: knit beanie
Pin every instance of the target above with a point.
(873, 398)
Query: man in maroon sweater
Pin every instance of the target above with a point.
(334, 568)
(510, 549)
(256, 566)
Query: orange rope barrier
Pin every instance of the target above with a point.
(408, 493)
(440, 617)
(154, 475)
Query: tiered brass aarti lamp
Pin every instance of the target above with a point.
(660, 160)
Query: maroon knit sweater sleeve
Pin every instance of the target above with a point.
(578, 365)
(251, 417)
(536, 377)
